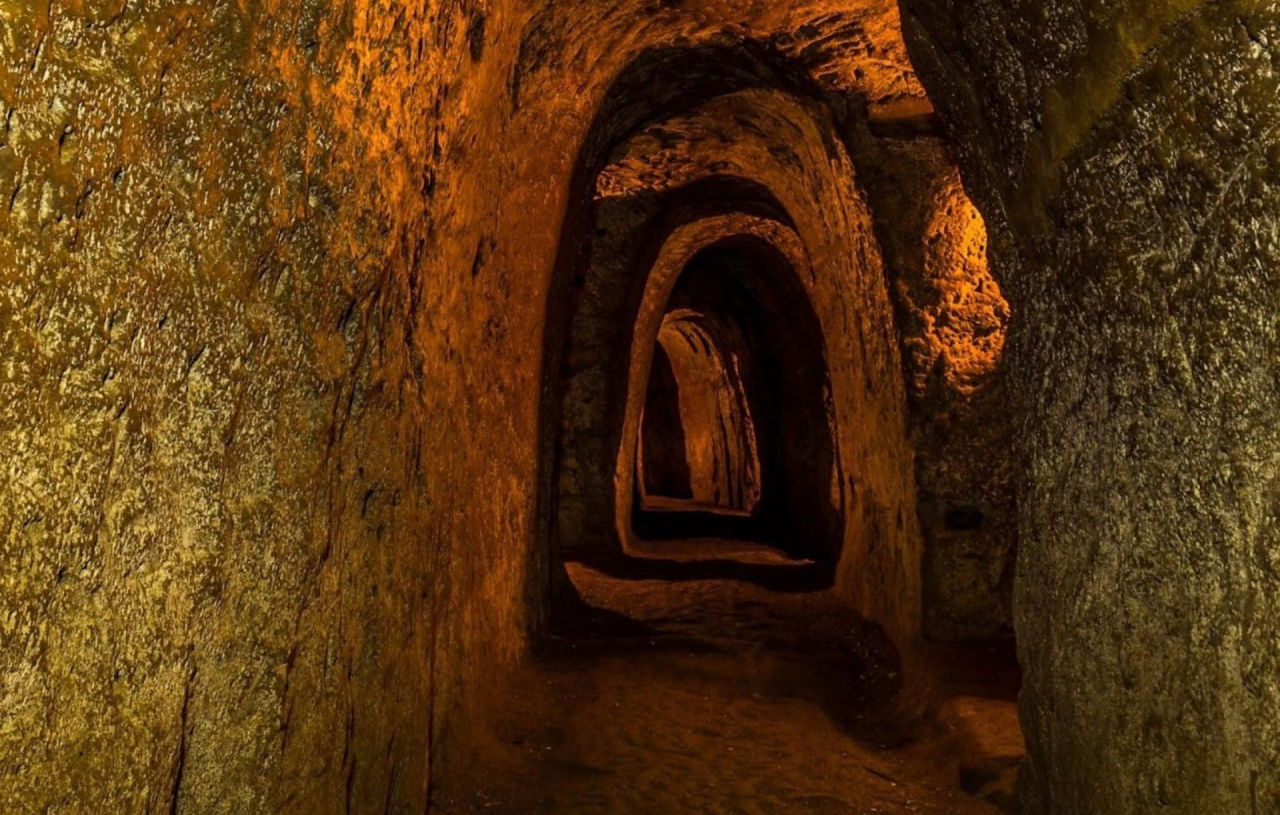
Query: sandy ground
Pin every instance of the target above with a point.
(722, 696)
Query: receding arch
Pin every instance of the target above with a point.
(701, 199)
(696, 397)
(656, 83)
(789, 167)
(756, 266)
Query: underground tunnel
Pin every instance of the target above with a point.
(713, 467)
(647, 406)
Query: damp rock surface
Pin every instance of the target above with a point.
(1125, 156)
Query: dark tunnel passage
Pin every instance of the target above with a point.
(662, 459)
(719, 448)
(717, 454)
(639, 406)
(758, 434)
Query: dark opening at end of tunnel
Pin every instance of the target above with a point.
(751, 409)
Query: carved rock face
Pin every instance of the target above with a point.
(1123, 155)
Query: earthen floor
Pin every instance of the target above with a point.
(723, 696)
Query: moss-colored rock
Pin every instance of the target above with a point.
(1126, 155)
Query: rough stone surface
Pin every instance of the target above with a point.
(1126, 157)
(226, 557)
(953, 319)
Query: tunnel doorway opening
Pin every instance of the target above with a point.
(705, 409)
(740, 361)
(662, 456)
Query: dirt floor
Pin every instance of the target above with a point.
(721, 695)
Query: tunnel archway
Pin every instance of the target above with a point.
(660, 177)
(758, 141)
(356, 236)
(656, 83)
(744, 292)
(706, 412)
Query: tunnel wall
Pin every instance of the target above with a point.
(231, 380)
(1126, 157)
(953, 321)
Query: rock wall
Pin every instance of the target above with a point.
(230, 549)
(953, 320)
(1126, 157)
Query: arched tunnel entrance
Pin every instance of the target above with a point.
(752, 405)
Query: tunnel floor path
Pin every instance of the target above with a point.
(724, 696)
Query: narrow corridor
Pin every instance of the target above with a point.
(640, 406)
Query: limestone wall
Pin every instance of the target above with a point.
(1126, 157)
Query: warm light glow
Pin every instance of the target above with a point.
(967, 317)
(719, 437)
